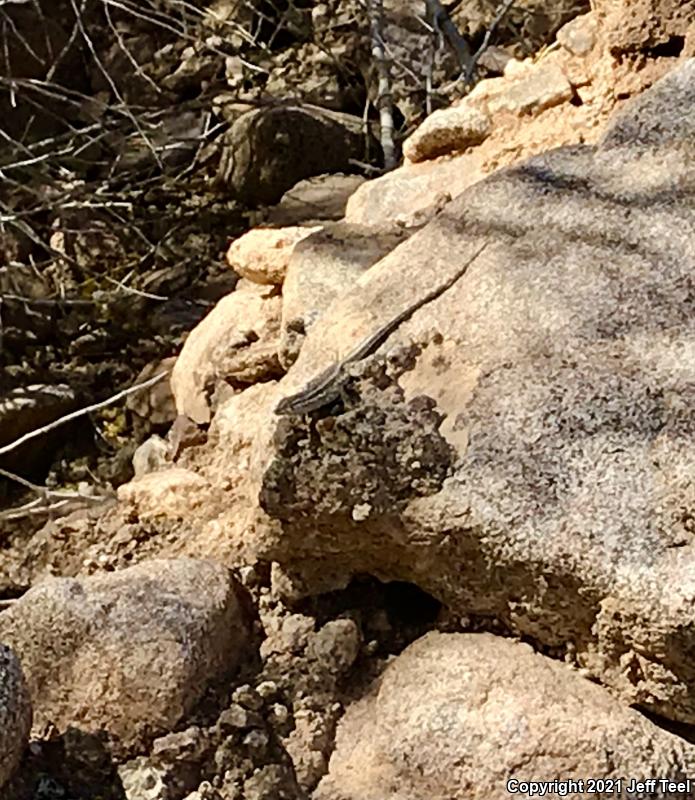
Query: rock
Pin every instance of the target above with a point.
(448, 130)
(663, 118)
(142, 781)
(336, 645)
(322, 267)
(151, 456)
(173, 493)
(270, 782)
(128, 652)
(633, 27)
(262, 145)
(205, 792)
(184, 433)
(309, 744)
(411, 188)
(262, 254)
(524, 442)
(579, 35)
(316, 199)
(465, 716)
(542, 87)
(15, 713)
(243, 326)
(310, 74)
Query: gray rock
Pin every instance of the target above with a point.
(526, 442)
(322, 267)
(661, 117)
(151, 455)
(320, 198)
(261, 149)
(15, 713)
(127, 652)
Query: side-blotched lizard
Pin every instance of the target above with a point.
(326, 387)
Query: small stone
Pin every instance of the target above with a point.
(238, 717)
(256, 741)
(296, 630)
(337, 645)
(267, 689)
(278, 714)
(361, 511)
(248, 697)
(579, 35)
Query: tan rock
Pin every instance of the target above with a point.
(579, 36)
(542, 87)
(448, 130)
(464, 717)
(521, 445)
(530, 112)
(633, 27)
(247, 319)
(15, 713)
(129, 652)
(171, 493)
(412, 188)
(262, 254)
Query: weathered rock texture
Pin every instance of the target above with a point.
(529, 454)
(15, 713)
(458, 716)
(636, 27)
(236, 342)
(262, 146)
(321, 268)
(262, 254)
(129, 652)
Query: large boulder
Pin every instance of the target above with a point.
(476, 717)
(524, 445)
(129, 652)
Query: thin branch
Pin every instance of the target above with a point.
(121, 43)
(81, 412)
(44, 491)
(112, 84)
(505, 6)
(442, 22)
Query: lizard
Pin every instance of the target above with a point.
(326, 387)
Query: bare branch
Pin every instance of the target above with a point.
(81, 412)
(384, 97)
(504, 7)
(442, 22)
